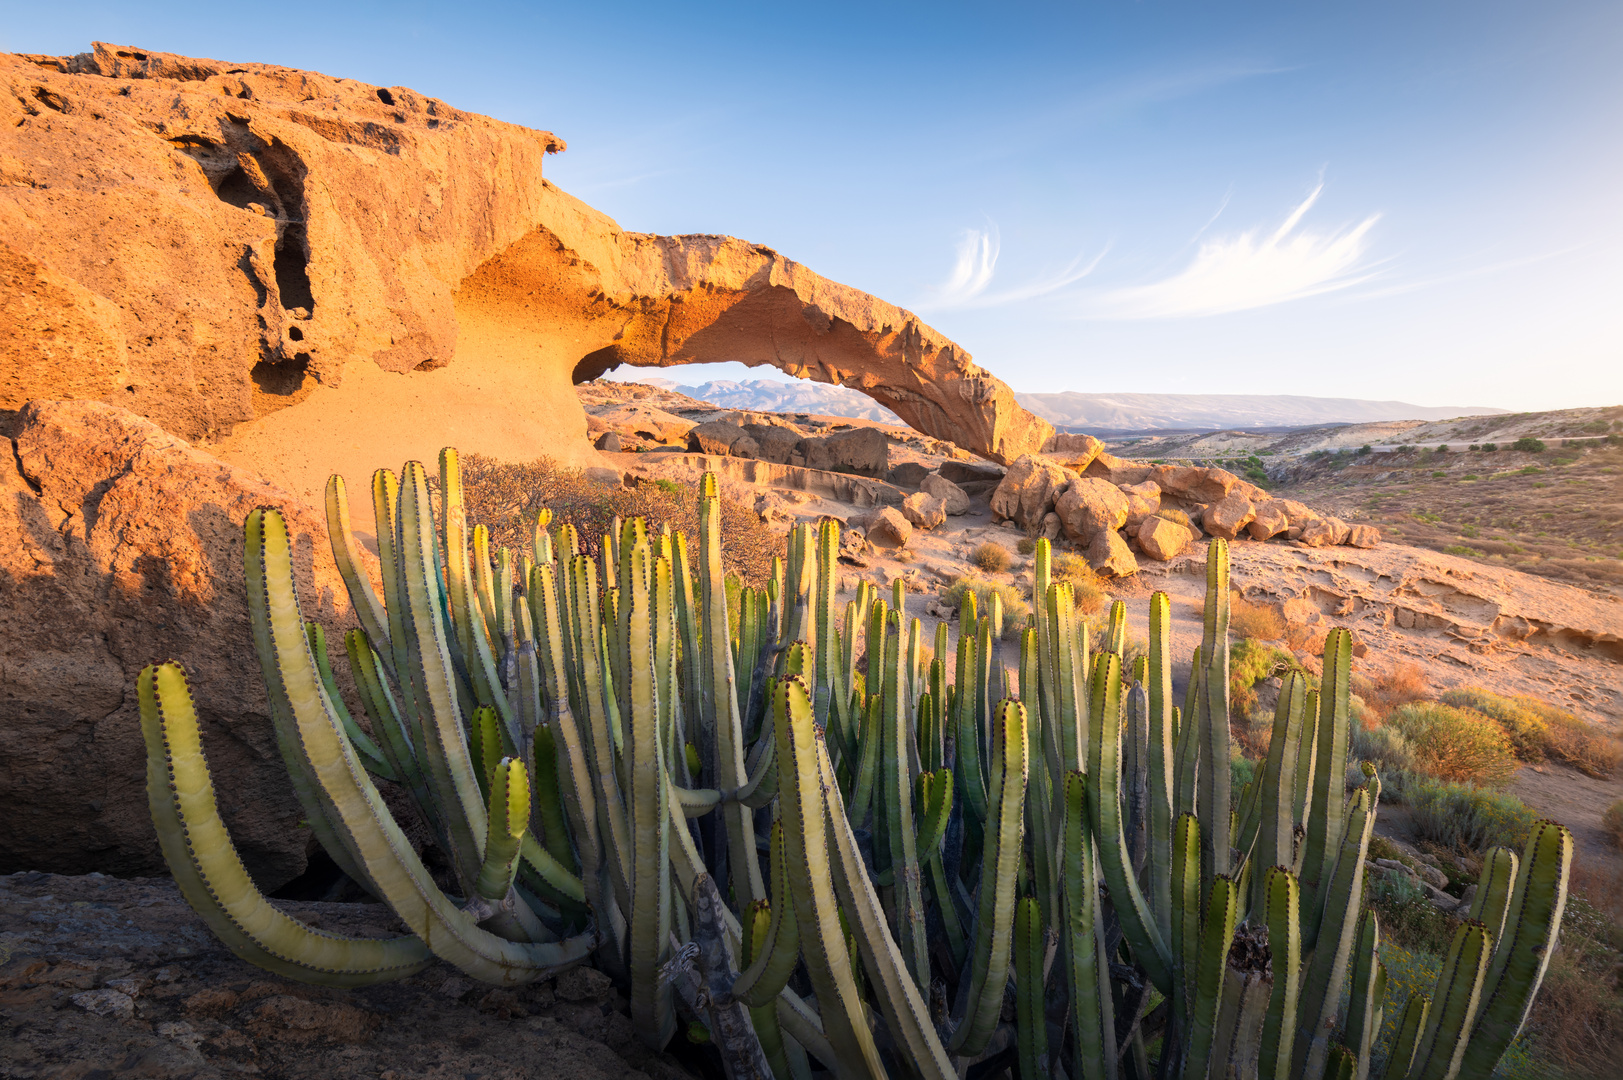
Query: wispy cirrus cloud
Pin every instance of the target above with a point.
(975, 263)
(1248, 270)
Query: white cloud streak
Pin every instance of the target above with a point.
(1250, 270)
(976, 263)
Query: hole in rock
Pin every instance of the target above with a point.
(295, 333)
(278, 384)
(50, 99)
(385, 97)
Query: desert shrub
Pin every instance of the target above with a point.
(991, 557)
(1490, 448)
(1242, 770)
(1089, 594)
(1026, 545)
(1015, 607)
(1250, 661)
(1612, 822)
(1463, 815)
(506, 496)
(1576, 1023)
(1386, 748)
(1454, 744)
(1252, 620)
(1398, 685)
(1538, 730)
(1528, 445)
(1366, 449)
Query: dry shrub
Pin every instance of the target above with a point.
(1612, 822)
(992, 558)
(1454, 744)
(1463, 816)
(506, 496)
(1089, 594)
(1015, 608)
(1261, 621)
(1538, 730)
(1577, 1018)
(1402, 684)
(1178, 516)
(1302, 637)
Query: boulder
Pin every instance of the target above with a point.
(908, 474)
(862, 450)
(1226, 517)
(773, 443)
(1325, 532)
(120, 546)
(1089, 506)
(1195, 484)
(746, 447)
(972, 472)
(1143, 500)
(886, 527)
(643, 421)
(1074, 451)
(1052, 526)
(1109, 555)
(1028, 490)
(924, 510)
(610, 441)
(1268, 521)
(853, 544)
(954, 498)
(1161, 539)
(1363, 536)
(1118, 470)
(714, 437)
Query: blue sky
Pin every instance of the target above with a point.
(1421, 201)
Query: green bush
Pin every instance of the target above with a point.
(1385, 747)
(1528, 445)
(1454, 744)
(1366, 449)
(1026, 545)
(1490, 448)
(1458, 815)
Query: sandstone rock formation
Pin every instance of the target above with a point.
(1028, 490)
(924, 510)
(953, 498)
(1162, 539)
(213, 245)
(120, 546)
(1090, 506)
(886, 527)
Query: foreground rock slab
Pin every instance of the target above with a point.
(107, 977)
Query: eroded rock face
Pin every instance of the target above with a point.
(953, 497)
(207, 243)
(1089, 506)
(1161, 539)
(121, 546)
(1028, 490)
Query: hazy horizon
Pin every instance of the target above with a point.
(1390, 201)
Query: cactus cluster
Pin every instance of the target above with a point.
(811, 834)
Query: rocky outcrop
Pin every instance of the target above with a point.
(209, 244)
(1162, 539)
(1090, 506)
(953, 498)
(1028, 490)
(863, 450)
(120, 546)
(924, 510)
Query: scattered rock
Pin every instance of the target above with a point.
(971, 472)
(1074, 451)
(1052, 526)
(1090, 506)
(1110, 556)
(1028, 490)
(908, 474)
(605, 476)
(106, 1003)
(1226, 517)
(638, 420)
(862, 450)
(1143, 500)
(1325, 532)
(852, 546)
(1161, 539)
(1268, 520)
(924, 510)
(1204, 485)
(953, 497)
(1363, 536)
(886, 527)
(714, 437)
(773, 443)
(610, 441)
(1117, 470)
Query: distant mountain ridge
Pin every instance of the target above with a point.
(1089, 412)
(1151, 412)
(768, 395)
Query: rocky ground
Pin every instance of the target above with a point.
(102, 977)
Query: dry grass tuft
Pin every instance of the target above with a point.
(991, 558)
(1015, 607)
(1089, 594)
(1399, 686)
(1612, 822)
(1577, 1018)
(1263, 622)
(506, 496)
